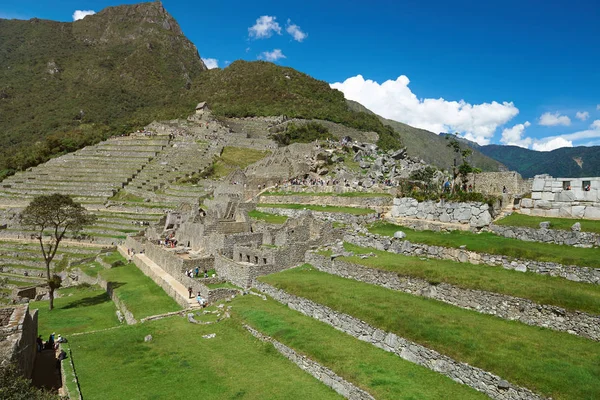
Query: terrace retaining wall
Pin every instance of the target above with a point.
(323, 374)
(18, 338)
(557, 236)
(321, 215)
(476, 215)
(483, 381)
(399, 246)
(503, 306)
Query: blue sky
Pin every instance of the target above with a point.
(514, 72)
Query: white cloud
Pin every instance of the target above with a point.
(582, 115)
(553, 119)
(81, 14)
(595, 124)
(264, 28)
(552, 144)
(514, 136)
(295, 31)
(394, 100)
(271, 55)
(211, 63)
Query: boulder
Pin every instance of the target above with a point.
(576, 227)
(545, 225)
(399, 235)
(147, 338)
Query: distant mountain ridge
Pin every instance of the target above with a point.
(567, 162)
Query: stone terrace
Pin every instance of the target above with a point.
(91, 175)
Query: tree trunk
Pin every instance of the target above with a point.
(51, 293)
(51, 298)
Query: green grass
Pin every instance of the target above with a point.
(486, 242)
(80, 309)
(232, 158)
(179, 364)
(324, 194)
(91, 269)
(69, 378)
(528, 221)
(542, 289)
(552, 363)
(331, 209)
(267, 217)
(382, 374)
(140, 294)
(113, 257)
(225, 285)
(122, 195)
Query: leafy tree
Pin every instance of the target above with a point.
(465, 168)
(54, 215)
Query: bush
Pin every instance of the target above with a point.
(304, 133)
(13, 386)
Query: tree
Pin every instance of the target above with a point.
(465, 168)
(54, 215)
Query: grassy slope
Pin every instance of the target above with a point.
(140, 294)
(179, 364)
(78, 310)
(542, 289)
(267, 217)
(382, 374)
(232, 158)
(552, 363)
(492, 244)
(529, 221)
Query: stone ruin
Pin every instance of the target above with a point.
(18, 333)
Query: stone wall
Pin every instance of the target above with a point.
(571, 272)
(476, 215)
(242, 274)
(321, 215)
(379, 204)
(325, 375)
(551, 197)
(557, 236)
(18, 337)
(503, 306)
(483, 381)
(493, 183)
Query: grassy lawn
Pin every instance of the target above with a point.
(124, 196)
(486, 242)
(236, 157)
(528, 221)
(542, 289)
(113, 257)
(346, 194)
(268, 217)
(80, 309)
(140, 294)
(179, 364)
(225, 285)
(91, 269)
(331, 209)
(382, 374)
(550, 363)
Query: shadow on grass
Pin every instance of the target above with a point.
(88, 301)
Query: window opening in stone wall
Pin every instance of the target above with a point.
(248, 258)
(255, 259)
(264, 260)
(240, 256)
(586, 185)
(566, 185)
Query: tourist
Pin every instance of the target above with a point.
(504, 189)
(50, 342)
(40, 343)
(197, 271)
(205, 273)
(190, 291)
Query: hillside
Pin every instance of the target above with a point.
(565, 162)
(64, 85)
(431, 147)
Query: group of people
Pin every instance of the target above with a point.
(169, 241)
(201, 300)
(194, 273)
(50, 344)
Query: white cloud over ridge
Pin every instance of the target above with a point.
(395, 100)
(552, 144)
(566, 140)
(514, 136)
(264, 27)
(274, 55)
(298, 34)
(582, 115)
(211, 63)
(554, 119)
(81, 14)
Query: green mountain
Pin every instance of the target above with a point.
(430, 147)
(572, 162)
(64, 85)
